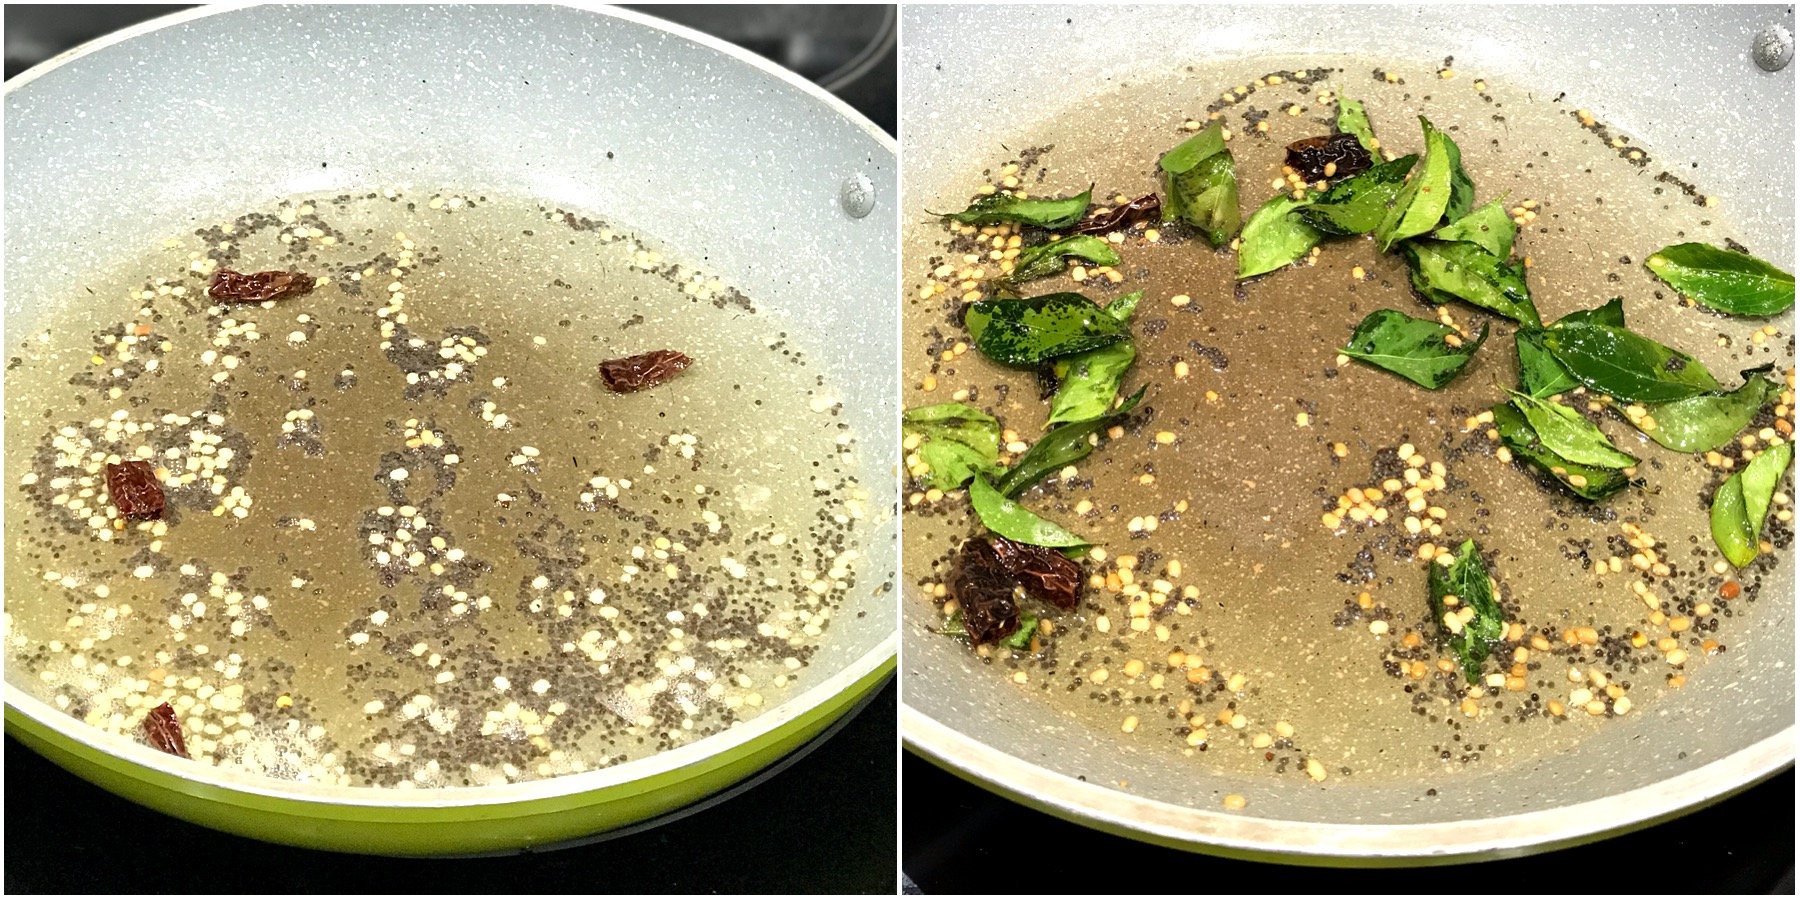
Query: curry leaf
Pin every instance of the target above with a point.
(1612, 312)
(953, 626)
(1089, 381)
(951, 464)
(1061, 446)
(1540, 375)
(1725, 280)
(1462, 601)
(1462, 193)
(1709, 420)
(1741, 503)
(1570, 435)
(1051, 214)
(1122, 308)
(1357, 205)
(1047, 259)
(1436, 192)
(1586, 482)
(956, 442)
(1353, 119)
(1021, 639)
(1275, 236)
(1028, 332)
(1731, 523)
(1200, 180)
(1419, 350)
(1008, 519)
(1201, 146)
(1442, 270)
(1489, 227)
(1761, 477)
(1613, 360)
(955, 421)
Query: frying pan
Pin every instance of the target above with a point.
(1681, 79)
(772, 181)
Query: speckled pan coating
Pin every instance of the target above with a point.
(1682, 80)
(735, 163)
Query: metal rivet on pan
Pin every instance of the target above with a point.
(857, 196)
(1773, 48)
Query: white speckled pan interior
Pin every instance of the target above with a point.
(735, 166)
(1679, 78)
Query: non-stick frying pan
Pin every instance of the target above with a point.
(719, 153)
(1682, 80)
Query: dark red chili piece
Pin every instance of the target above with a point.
(1309, 156)
(163, 731)
(1147, 208)
(1045, 573)
(133, 487)
(645, 370)
(237, 287)
(984, 590)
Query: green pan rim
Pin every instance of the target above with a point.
(131, 759)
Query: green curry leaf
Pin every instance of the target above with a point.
(1442, 270)
(1021, 638)
(1089, 381)
(1490, 227)
(1570, 435)
(1416, 349)
(1275, 236)
(1353, 119)
(1008, 519)
(956, 442)
(1472, 636)
(1707, 421)
(1200, 181)
(1741, 503)
(1725, 280)
(1540, 375)
(1439, 190)
(1612, 313)
(1061, 446)
(1043, 213)
(1047, 259)
(1586, 482)
(1203, 145)
(1614, 360)
(1029, 332)
(1357, 204)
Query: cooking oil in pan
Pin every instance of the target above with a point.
(410, 537)
(1232, 618)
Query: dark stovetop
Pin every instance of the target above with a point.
(958, 838)
(826, 824)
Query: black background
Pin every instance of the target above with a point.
(825, 824)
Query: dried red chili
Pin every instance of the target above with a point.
(984, 589)
(237, 287)
(1045, 573)
(645, 370)
(1147, 208)
(1309, 156)
(133, 488)
(163, 731)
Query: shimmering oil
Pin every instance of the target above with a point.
(410, 537)
(1232, 619)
